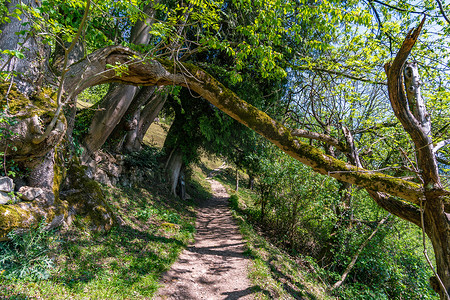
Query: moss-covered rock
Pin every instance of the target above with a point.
(11, 216)
(85, 197)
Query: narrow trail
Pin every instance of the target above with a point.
(214, 267)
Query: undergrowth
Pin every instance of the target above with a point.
(388, 268)
(124, 263)
(26, 255)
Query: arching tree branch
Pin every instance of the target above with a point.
(93, 70)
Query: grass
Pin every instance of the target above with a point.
(125, 263)
(82, 104)
(275, 273)
(156, 134)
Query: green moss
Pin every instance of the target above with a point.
(89, 201)
(43, 102)
(10, 97)
(58, 172)
(11, 216)
(45, 99)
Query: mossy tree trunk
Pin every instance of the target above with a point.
(32, 70)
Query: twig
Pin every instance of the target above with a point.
(441, 8)
(355, 257)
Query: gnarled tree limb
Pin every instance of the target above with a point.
(92, 70)
(414, 123)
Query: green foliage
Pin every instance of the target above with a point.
(328, 233)
(93, 94)
(390, 267)
(81, 127)
(26, 254)
(148, 157)
(162, 215)
(9, 166)
(274, 273)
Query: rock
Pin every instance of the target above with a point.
(6, 184)
(102, 177)
(29, 193)
(5, 198)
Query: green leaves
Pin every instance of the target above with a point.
(14, 53)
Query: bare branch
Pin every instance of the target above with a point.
(320, 137)
(376, 127)
(355, 257)
(416, 122)
(340, 73)
(441, 8)
(440, 145)
(399, 8)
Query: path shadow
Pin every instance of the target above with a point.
(89, 258)
(239, 294)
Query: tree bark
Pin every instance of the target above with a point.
(173, 168)
(125, 132)
(116, 103)
(410, 109)
(32, 69)
(112, 108)
(148, 115)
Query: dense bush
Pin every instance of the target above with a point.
(148, 157)
(313, 215)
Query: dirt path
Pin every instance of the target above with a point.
(214, 267)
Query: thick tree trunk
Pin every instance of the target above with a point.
(148, 115)
(134, 125)
(438, 230)
(32, 69)
(113, 107)
(125, 132)
(116, 103)
(409, 107)
(173, 168)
